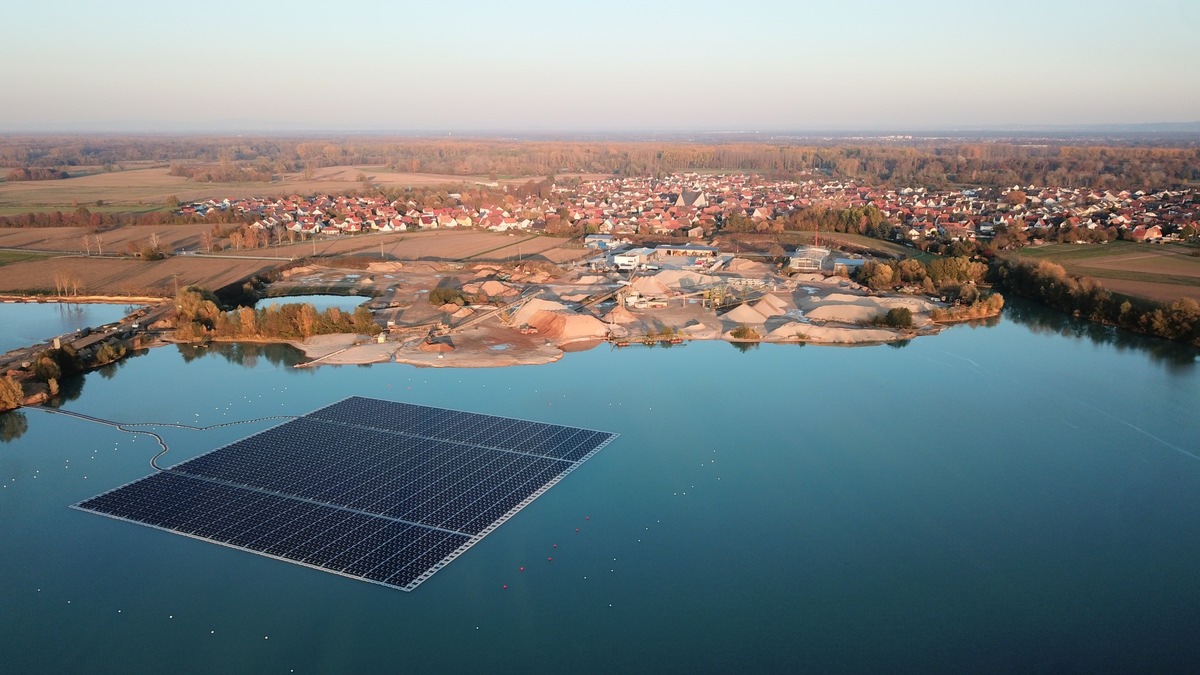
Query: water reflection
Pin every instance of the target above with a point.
(1176, 357)
(13, 425)
(244, 353)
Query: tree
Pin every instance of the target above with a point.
(876, 275)
(910, 270)
(896, 317)
(11, 393)
(13, 425)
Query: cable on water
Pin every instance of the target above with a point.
(125, 427)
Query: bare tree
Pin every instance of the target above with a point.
(87, 244)
(99, 245)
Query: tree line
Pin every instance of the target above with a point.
(36, 173)
(97, 221)
(1083, 297)
(928, 162)
(199, 318)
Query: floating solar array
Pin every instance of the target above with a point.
(375, 490)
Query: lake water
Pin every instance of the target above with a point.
(346, 303)
(25, 324)
(1021, 497)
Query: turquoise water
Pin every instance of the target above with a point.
(26, 324)
(346, 303)
(1022, 497)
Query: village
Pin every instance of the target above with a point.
(696, 206)
(626, 286)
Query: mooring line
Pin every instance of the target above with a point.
(124, 426)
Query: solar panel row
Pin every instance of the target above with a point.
(381, 491)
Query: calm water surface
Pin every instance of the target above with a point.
(25, 324)
(346, 303)
(1024, 497)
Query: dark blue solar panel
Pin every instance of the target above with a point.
(380, 491)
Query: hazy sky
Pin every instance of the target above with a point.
(542, 65)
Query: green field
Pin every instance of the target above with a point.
(1063, 253)
(7, 257)
(1159, 271)
(861, 240)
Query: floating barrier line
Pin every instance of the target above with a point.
(125, 426)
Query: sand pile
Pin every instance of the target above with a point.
(496, 289)
(592, 280)
(462, 313)
(830, 334)
(700, 331)
(684, 280)
(843, 313)
(849, 308)
(437, 346)
(650, 286)
(299, 271)
(385, 267)
(744, 313)
(566, 327)
(620, 314)
(749, 267)
(553, 320)
(537, 305)
(771, 306)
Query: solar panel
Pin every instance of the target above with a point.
(375, 490)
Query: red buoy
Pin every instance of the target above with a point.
(522, 569)
(549, 559)
(577, 529)
(506, 587)
(587, 517)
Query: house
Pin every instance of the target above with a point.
(693, 200)
(689, 249)
(1144, 233)
(633, 258)
(598, 242)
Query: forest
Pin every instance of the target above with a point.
(933, 163)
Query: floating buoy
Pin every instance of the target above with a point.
(506, 587)
(577, 529)
(587, 517)
(556, 546)
(549, 559)
(522, 569)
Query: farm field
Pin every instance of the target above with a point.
(433, 245)
(9, 257)
(128, 276)
(149, 188)
(71, 239)
(859, 240)
(1156, 271)
(32, 271)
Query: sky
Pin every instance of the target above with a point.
(579, 66)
